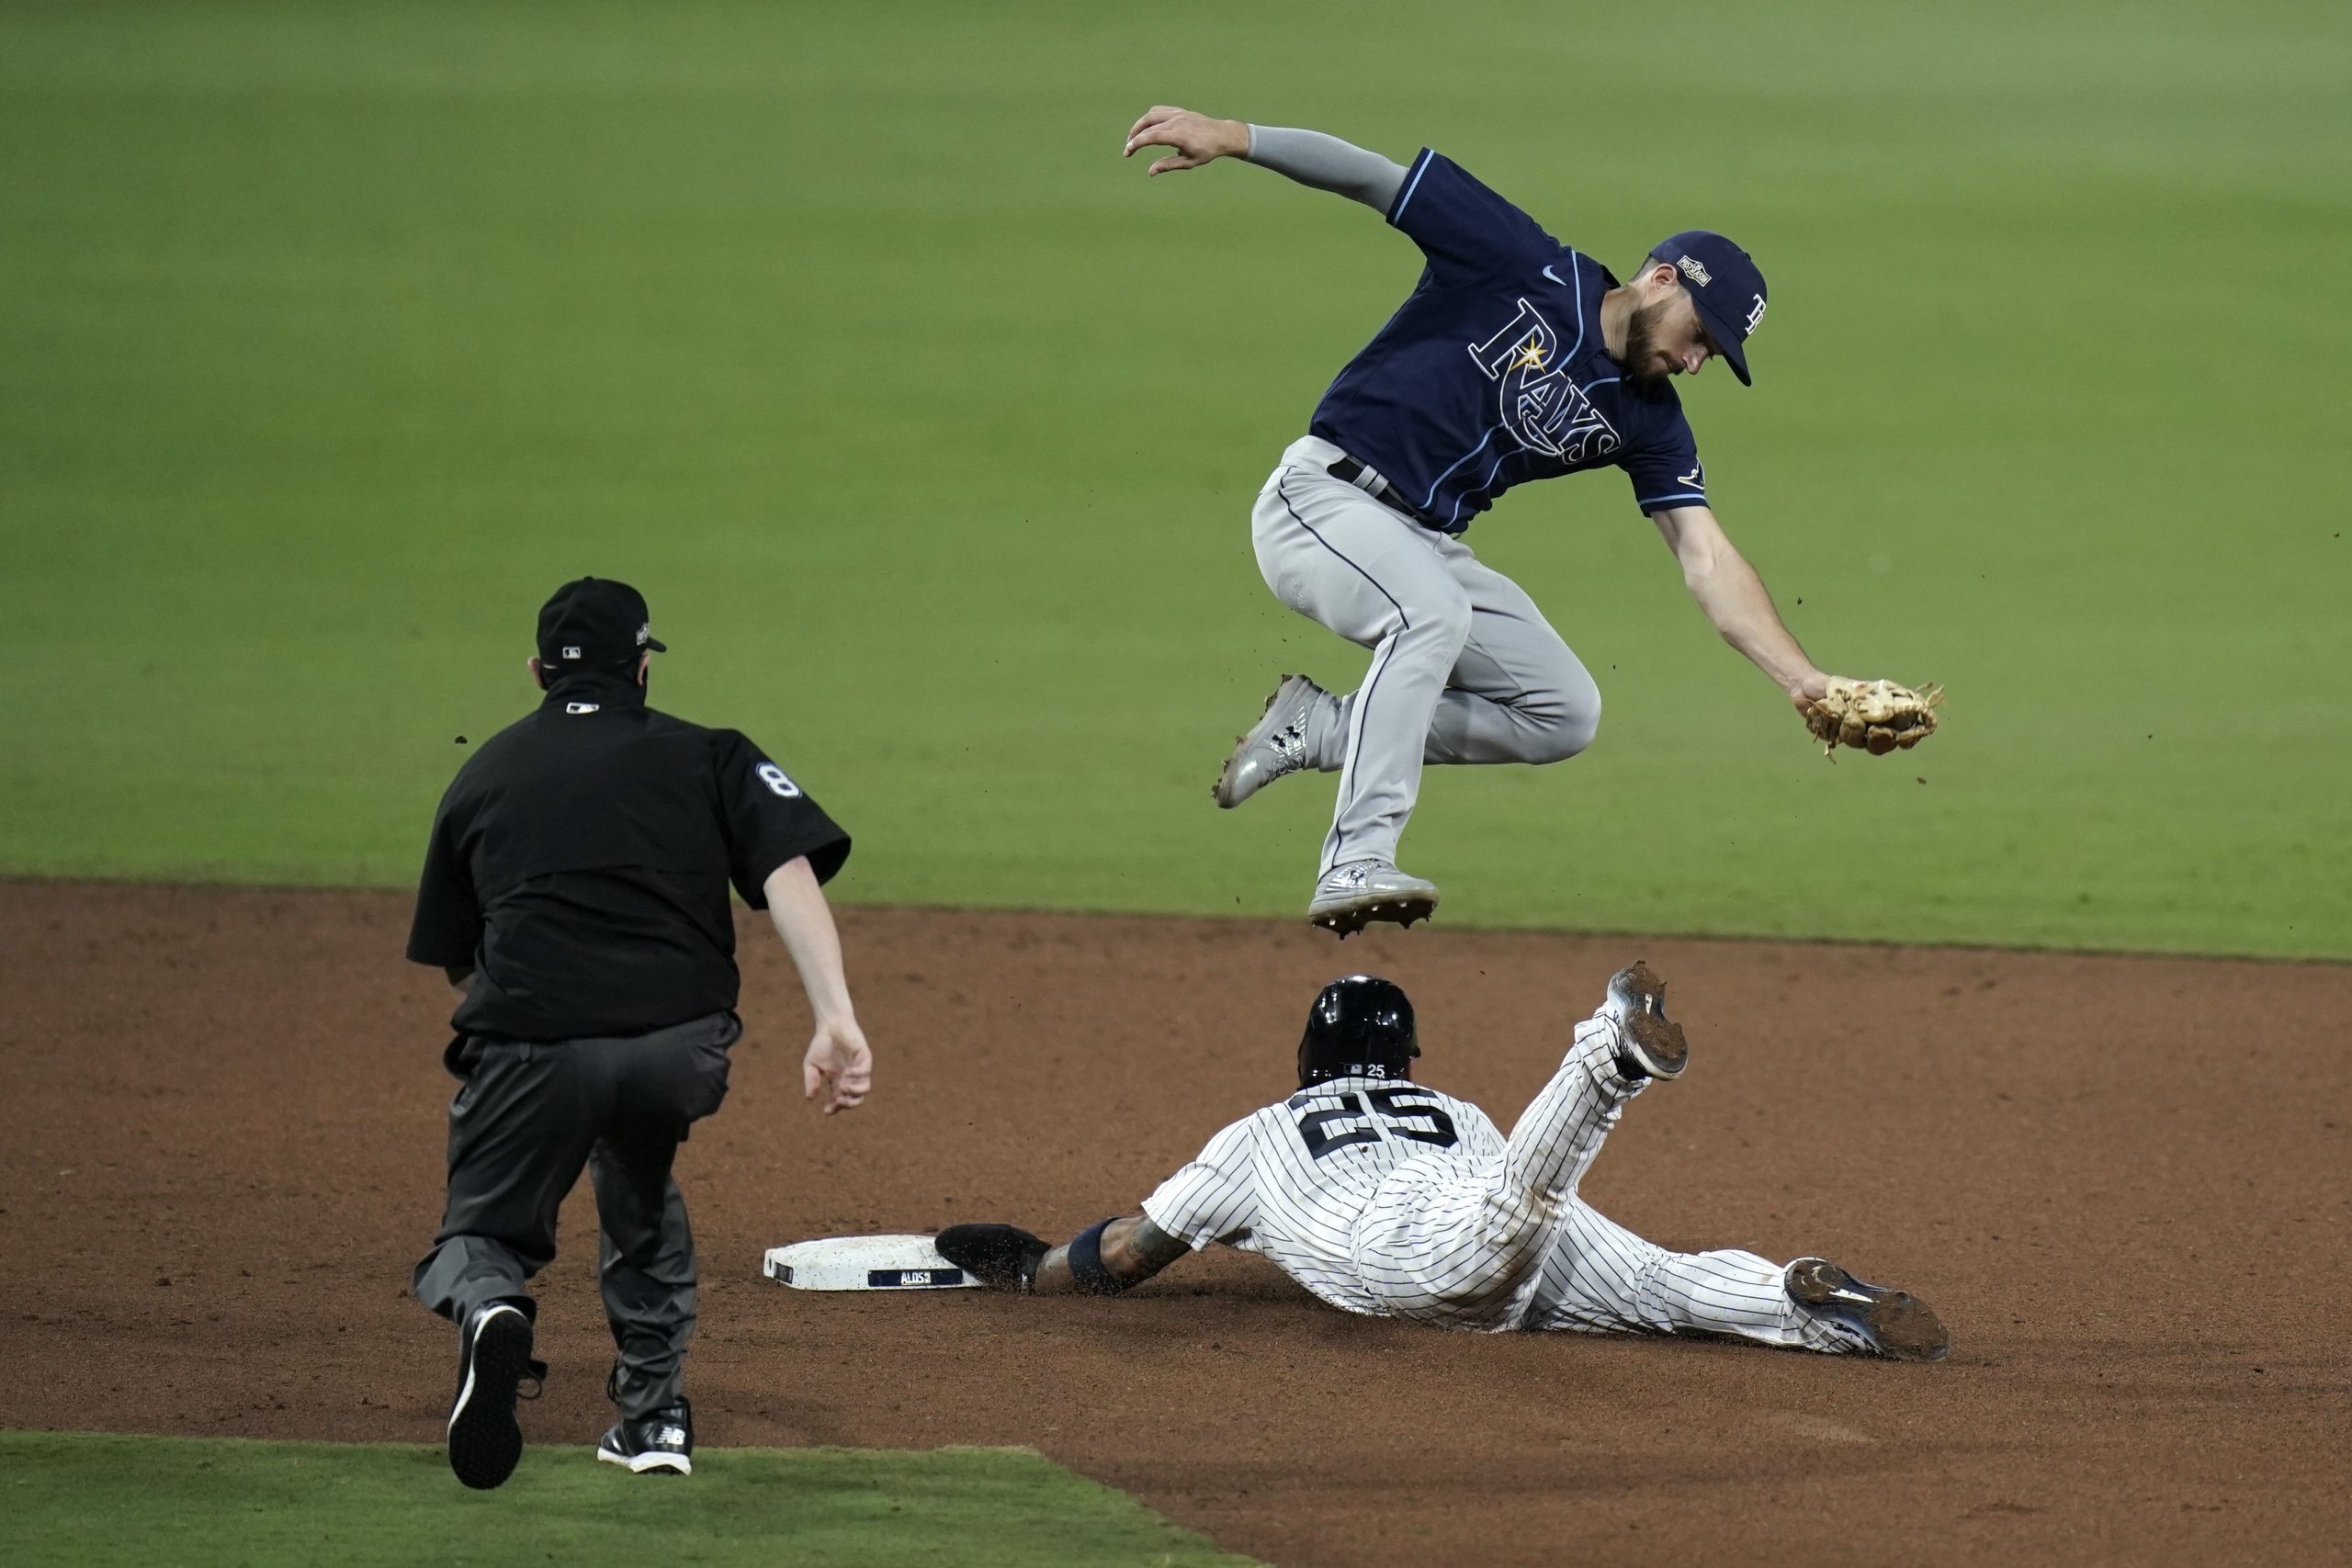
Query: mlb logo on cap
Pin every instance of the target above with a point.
(1723, 283)
(595, 623)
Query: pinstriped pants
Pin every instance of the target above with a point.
(1497, 1244)
(1464, 668)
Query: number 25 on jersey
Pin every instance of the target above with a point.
(1350, 1119)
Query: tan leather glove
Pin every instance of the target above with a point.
(1875, 715)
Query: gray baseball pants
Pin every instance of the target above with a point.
(1464, 668)
(528, 1117)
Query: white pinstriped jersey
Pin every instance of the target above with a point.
(1292, 1181)
(1384, 1198)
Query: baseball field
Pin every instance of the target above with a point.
(332, 339)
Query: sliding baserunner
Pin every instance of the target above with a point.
(1384, 1198)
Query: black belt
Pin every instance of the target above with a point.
(1348, 471)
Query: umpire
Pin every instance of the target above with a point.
(575, 891)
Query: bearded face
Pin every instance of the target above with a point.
(1645, 358)
(1666, 338)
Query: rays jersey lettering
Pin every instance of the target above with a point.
(1495, 372)
(1539, 403)
(1291, 1181)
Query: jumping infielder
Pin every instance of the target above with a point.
(1394, 1200)
(1515, 358)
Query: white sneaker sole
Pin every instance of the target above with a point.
(643, 1464)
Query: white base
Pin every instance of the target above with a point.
(864, 1263)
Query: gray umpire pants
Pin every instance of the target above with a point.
(528, 1117)
(1464, 668)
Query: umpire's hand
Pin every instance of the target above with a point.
(839, 1063)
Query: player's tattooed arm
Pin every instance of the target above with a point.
(1133, 1249)
(1734, 599)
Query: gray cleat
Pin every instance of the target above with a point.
(1275, 745)
(1649, 1046)
(1875, 1321)
(1353, 896)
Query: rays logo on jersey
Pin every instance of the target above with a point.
(1540, 404)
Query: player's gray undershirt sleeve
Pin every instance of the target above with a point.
(1327, 163)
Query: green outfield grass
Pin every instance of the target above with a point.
(83, 1498)
(333, 337)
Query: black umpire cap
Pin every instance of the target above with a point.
(595, 623)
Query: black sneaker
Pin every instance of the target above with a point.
(493, 1362)
(661, 1442)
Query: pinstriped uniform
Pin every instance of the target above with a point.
(1388, 1198)
(1293, 1181)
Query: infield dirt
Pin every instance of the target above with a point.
(2122, 1180)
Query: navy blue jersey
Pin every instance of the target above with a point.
(1493, 372)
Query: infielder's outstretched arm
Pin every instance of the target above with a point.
(1307, 156)
(1734, 599)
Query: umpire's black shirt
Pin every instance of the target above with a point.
(580, 863)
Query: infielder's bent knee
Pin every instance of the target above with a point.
(1567, 733)
(1562, 720)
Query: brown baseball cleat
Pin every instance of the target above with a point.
(1649, 1046)
(1874, 1321)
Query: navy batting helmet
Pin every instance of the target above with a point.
(1361, 1027)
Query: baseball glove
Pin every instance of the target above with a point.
(1875, 715)
(1003, 1258)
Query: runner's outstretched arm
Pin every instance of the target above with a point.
(1133, 1249)
(1112, 1255)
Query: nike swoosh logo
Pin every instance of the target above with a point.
(1554, 275)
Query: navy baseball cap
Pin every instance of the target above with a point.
(595, 623)
(1723, 281)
